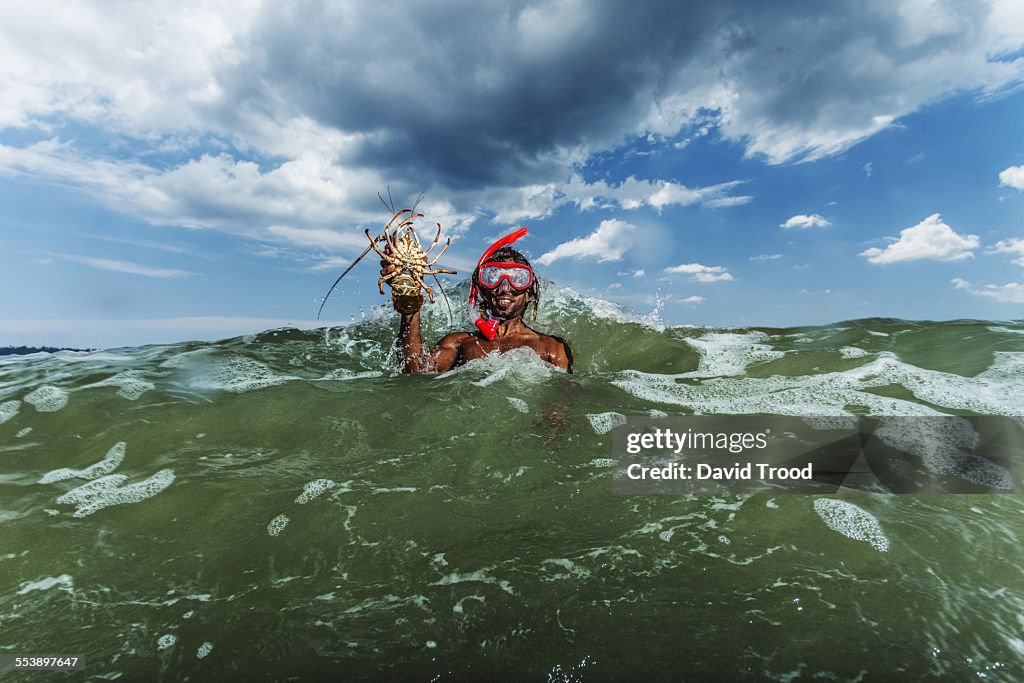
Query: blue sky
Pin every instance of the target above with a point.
(174, 171)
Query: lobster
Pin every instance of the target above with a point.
(404, 251)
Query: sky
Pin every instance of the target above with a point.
(193, 170)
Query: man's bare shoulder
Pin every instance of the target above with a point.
(455, 340)
(555, 350)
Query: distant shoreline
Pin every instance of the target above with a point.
(25, 350)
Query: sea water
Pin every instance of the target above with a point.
(287, 504)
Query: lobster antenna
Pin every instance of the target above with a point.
(451, 320)
(390, 204)
(353, 265)
(417, 202)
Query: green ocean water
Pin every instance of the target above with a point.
(287, 505)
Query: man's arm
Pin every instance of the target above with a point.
(410, 339)
(410, 347)
(448, 351)
(410, 343)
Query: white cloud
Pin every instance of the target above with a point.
(290, 202)
(930, 239)
(1012, 177)
(664, 193)
(209, 192)
(1011, 292)
(803, 222)
(321, 237)
(609, 242)
(125, 266)
(701, 273)
(766, 257)
(534, 201)
(640, 272)
(692, 300)
(725, 202)
(1014, 245)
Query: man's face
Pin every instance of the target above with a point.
(504, 301)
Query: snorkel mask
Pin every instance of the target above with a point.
(519, 276)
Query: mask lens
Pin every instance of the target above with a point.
(489, 275)
(519, 277)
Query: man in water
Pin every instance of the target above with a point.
(504, 285)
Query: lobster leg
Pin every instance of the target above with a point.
(436, 238)
(394, 218)
(438, 271)
(415, 236)
(373, 243)
(419, 280)
(445, 248)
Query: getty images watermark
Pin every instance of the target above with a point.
(752, 453)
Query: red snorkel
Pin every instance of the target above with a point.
(489, 327)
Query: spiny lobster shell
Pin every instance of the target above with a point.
(405, 251)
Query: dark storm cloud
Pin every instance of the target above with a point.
(479, 94)
(295, 114)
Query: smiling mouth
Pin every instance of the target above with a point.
(503, 300)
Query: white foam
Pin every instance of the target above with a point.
(64, 582)
(493, 377)
(8, 409)
(48, 399)
(93, 488)
(313, 489)
(827, 393)
(729, 354)
(204, 649)
(569, 568)
(833, 422)
(603, 423)
(851, 521)
(109, 463)
(132, 493)
(187, 359)
(940, 444)
(998, 390)
(522, 365)
(166, 641)
(1006, 365)
(277, 525)
(519, 404)
(130, 384)
(563, 302)
(22, 433)
(458, 608)
(345, 374)
(480, 575)
(237, 375)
